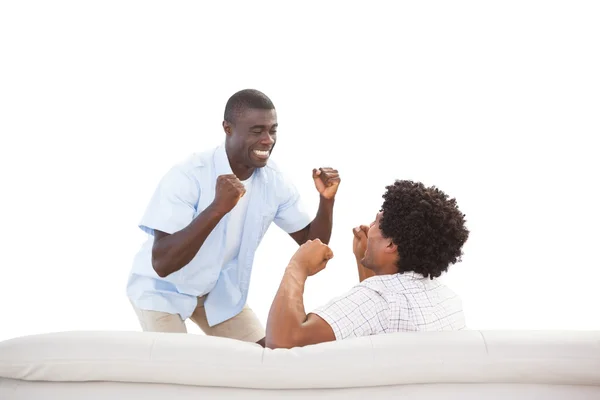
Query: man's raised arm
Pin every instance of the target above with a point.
(327, 181)
(171, 252)
(288, 325)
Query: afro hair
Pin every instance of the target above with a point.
(426, 225)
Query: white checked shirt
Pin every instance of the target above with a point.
(393, 303)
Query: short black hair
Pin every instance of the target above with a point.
(244, 99)
(425, 224)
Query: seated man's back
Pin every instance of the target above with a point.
(393, 303)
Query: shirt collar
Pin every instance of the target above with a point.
(410, 275)
(222, 166)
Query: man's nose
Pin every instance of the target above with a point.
(267, 139)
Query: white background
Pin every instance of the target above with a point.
(496, 103)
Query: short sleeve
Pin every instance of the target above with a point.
(292, 215)
(173, 204)
(360, 312)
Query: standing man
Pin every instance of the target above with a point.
(206, 219)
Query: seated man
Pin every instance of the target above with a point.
(417, 234)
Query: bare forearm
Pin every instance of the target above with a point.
(320, 227)
(287, 313)
(173, 252)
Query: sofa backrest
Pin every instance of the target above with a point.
(469, 356)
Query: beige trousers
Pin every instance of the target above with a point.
(245, 326)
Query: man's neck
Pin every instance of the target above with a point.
(240, 170)
(365, 273)
(389, 269)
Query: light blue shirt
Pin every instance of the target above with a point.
(182, 194)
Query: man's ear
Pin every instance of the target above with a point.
(391, 247)
(227, 128)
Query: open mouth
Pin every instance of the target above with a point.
(262, 154)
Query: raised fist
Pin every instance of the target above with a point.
(312, 257)
(327, 181)
(228, 192)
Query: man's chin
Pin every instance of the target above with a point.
(259, 165)
(365, 263)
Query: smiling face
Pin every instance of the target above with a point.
(250, 139)
(381, 255)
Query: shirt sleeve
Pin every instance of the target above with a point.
(173, 204)
(292, 215)
(359, 312)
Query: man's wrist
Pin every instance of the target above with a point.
(325, 200)
(297, 270)
(216, 211)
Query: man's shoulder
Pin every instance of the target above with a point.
(369, 288)
(189, 170)
(193, 162)
(380, 283)
(389, 287)
(198, 159)
(409, 287)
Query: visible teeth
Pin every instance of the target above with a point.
(262, 153)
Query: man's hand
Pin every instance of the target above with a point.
(359, 245)
(228, 192)
(327, 181)
(311, 257)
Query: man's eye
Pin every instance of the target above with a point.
(257, 132)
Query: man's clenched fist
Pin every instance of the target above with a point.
(228, 192)
(359, 244)
(327, 181)
(311, 257)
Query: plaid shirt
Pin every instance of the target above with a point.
(393, 303)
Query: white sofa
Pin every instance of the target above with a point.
(466, 364)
